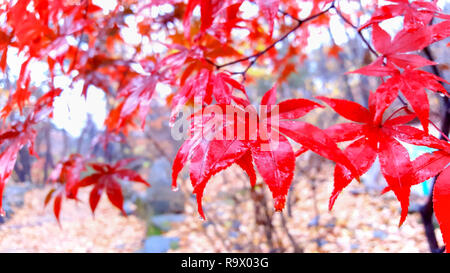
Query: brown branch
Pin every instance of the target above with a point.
(289, 15)
(262, 216)
(253, 58)
(213, 222)
(339, 13)
(158, 147)
(297, 248)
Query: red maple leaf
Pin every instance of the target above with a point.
(256, 139)
(394, 51)
(269, 9)
(205, 86)
(441, 204)
(12, 140)
(137, 95)
(374, 137)
(65, 177)
(416, 13)
(411, 82)
(208, 12)
(105, 177)
(430, 165)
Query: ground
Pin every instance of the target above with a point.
(35, 229)
(361, 221)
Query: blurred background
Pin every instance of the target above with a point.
(239, 218)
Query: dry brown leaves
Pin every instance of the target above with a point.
(363, 222)
(359, 222)
(34, 229)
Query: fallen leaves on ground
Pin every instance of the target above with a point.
(361, 221)
(35, 229)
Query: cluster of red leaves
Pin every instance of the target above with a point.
(66, 180)
(402, 67)
(19, 134)
(194, 51)
(197, 51)
(269, 150)
(372, 134)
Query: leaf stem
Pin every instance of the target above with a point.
(397, 111)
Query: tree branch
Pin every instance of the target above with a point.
(339, 13)
(253, 58)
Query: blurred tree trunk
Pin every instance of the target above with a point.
(87, 135)
(48, 152)
(22, 167)
(426, 211)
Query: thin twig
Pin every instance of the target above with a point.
(253, 58)
(212, 221)
(443, 136)
(158, 147)
(297, 248)
(338, 12)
